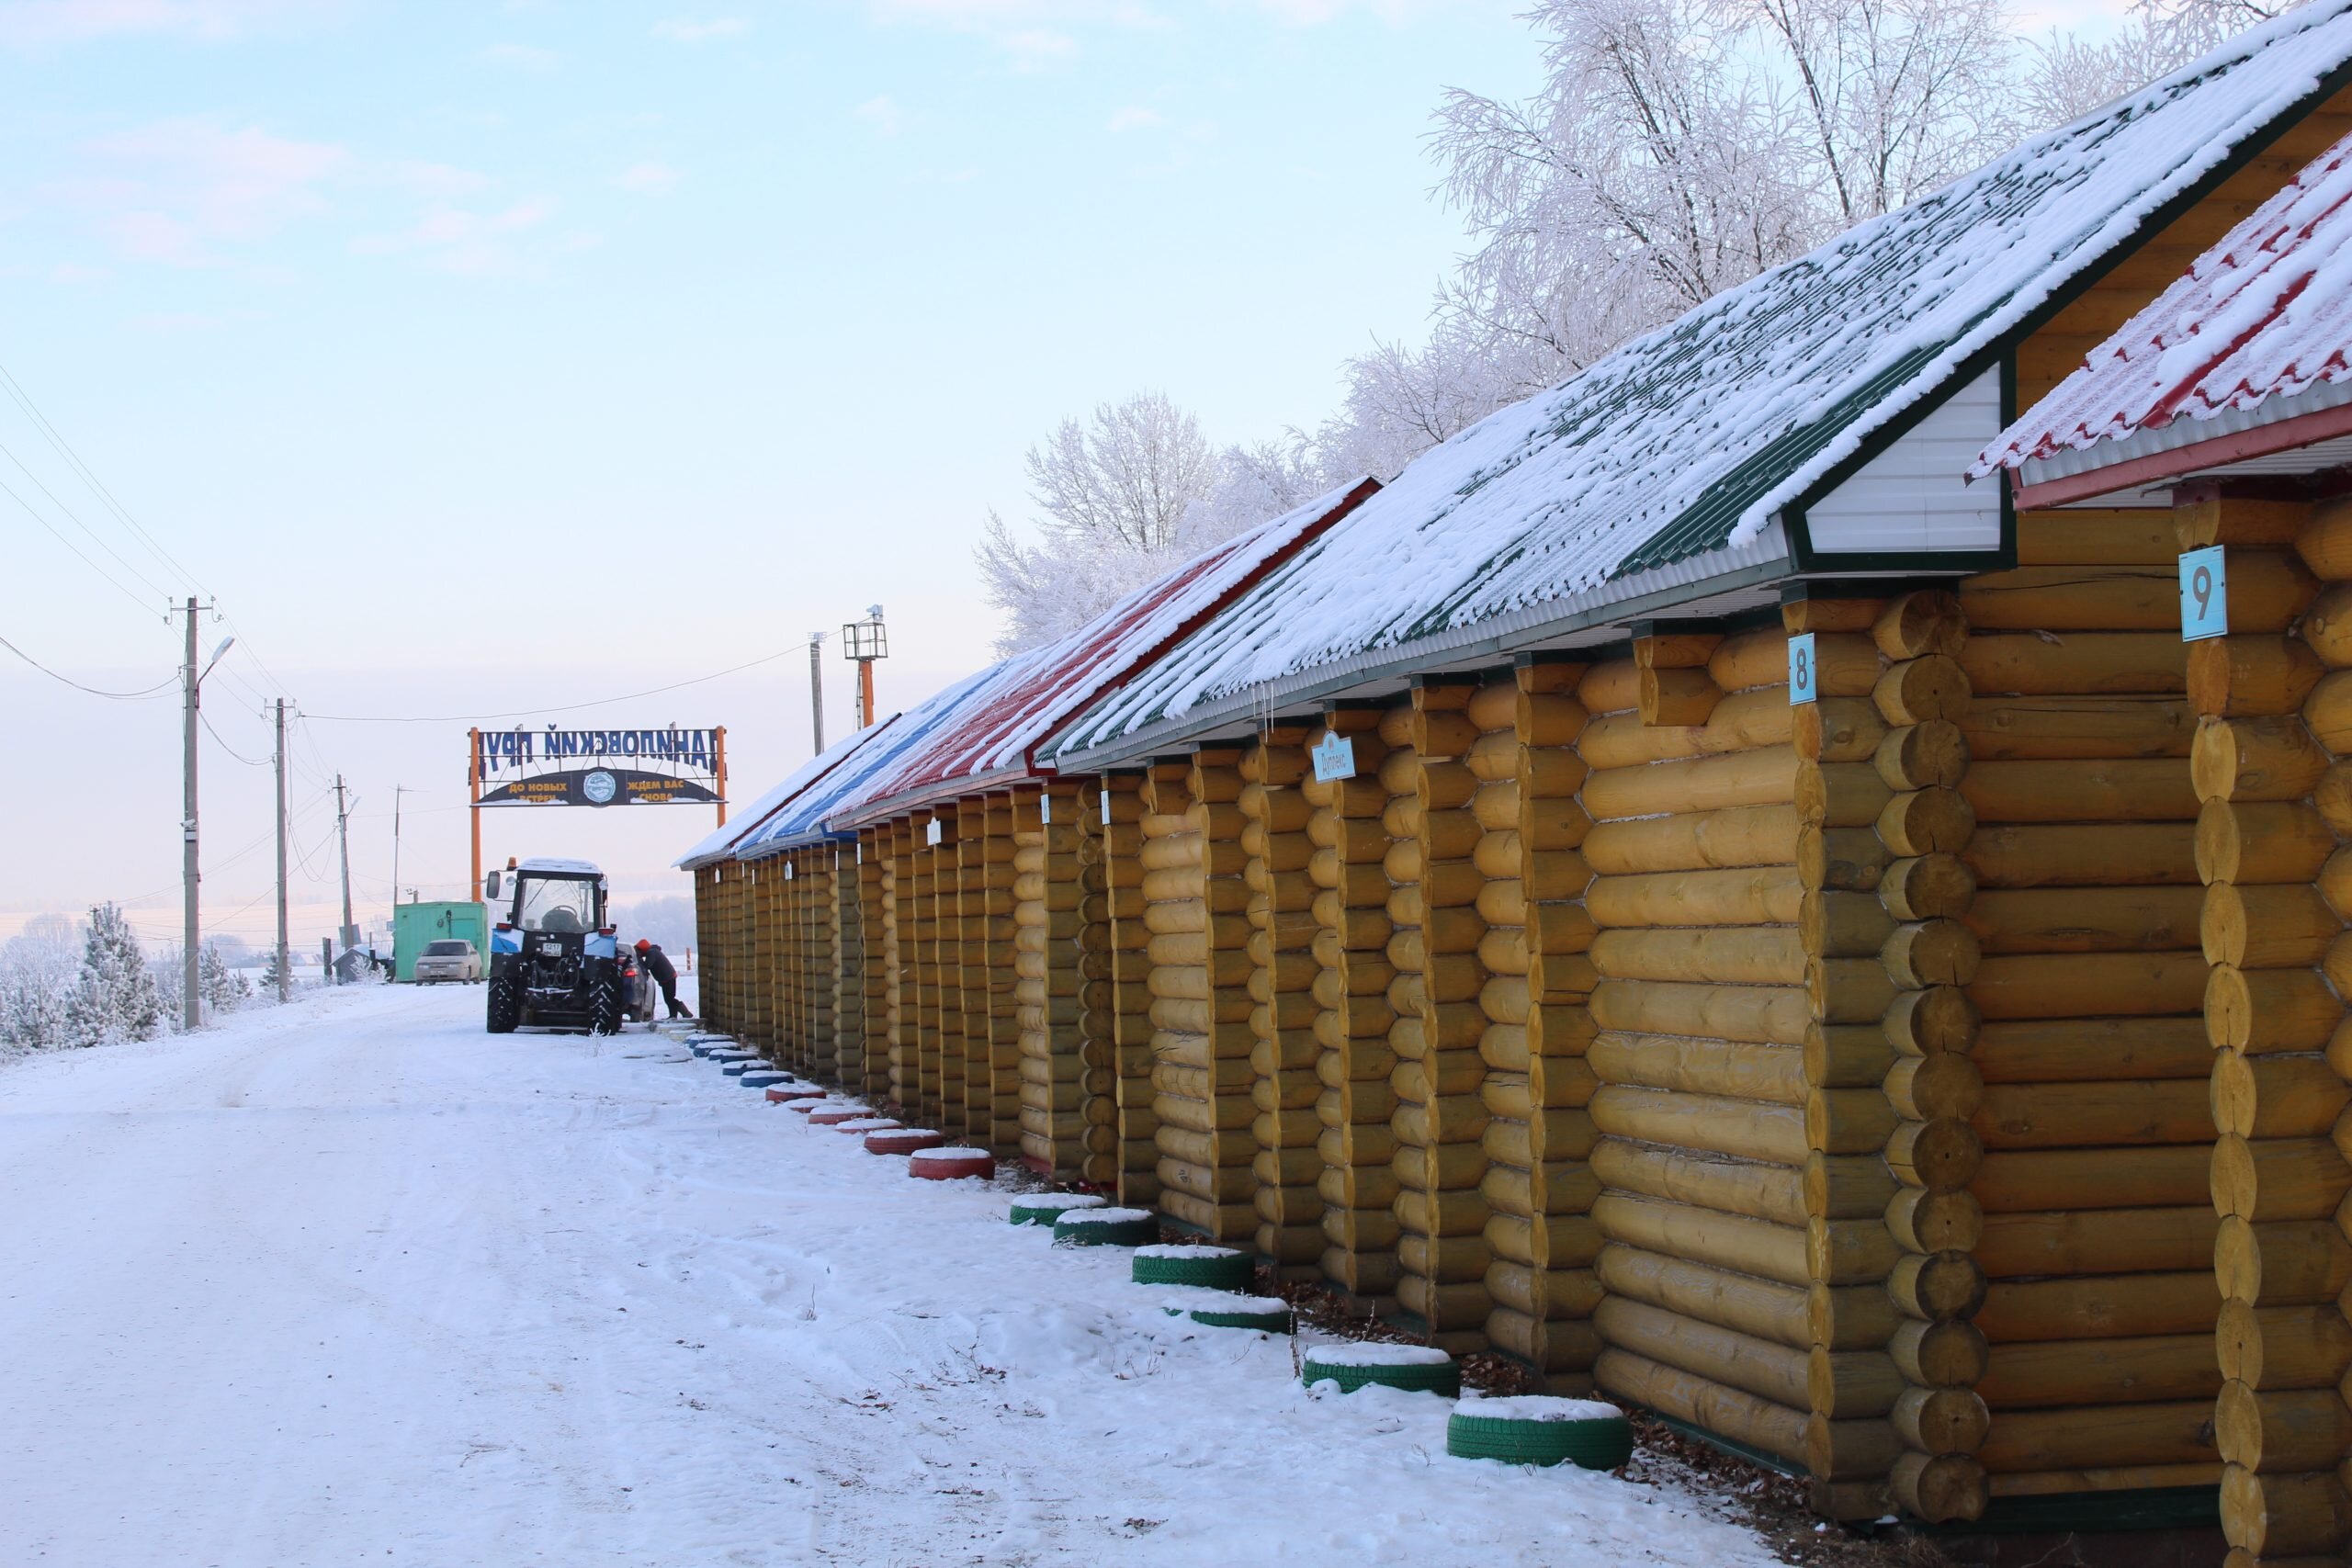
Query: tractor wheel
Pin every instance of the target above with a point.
(604, 1015)
(506, 1007)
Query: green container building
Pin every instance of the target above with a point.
(413, 925)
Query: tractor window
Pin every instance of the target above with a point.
(549, 904)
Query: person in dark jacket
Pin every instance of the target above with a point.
(657, 964)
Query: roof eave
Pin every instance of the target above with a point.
(1498, 637)
(2148, 457)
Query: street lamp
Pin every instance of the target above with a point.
(864, 642)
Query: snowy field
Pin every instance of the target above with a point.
(355, 1282)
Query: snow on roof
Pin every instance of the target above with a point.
(1030, 694)
(716, 845)
(1669, 462)
(2267, 312)
(564, 867)
(814, 814)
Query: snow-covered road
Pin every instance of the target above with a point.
(355, 1282)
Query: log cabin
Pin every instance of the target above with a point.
(1690, 887)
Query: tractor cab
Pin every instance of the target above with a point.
(553, 959)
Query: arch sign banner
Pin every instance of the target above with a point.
(553, 766)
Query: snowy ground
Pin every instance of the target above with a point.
(353, 1281)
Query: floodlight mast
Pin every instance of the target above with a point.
(864, 642)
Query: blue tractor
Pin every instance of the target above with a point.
(554, 958)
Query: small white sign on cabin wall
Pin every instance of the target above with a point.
(1335, 759)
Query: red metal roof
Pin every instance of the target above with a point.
(2264, 313)
(1033, 693)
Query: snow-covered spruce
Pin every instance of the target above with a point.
(1043, 1208)
(1418, 1368)
(951, 1165)
(1106, 1228)
(1533, 1429)
(1224, 1309)
(1218, 1268)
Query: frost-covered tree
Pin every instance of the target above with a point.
(1111, 493)
(1676, 149)
(221, 987)
(37, 971)
(115, 996)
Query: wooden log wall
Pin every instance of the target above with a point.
(939, 973)
(877, 955)
(1441, 1118)
(2094, 1239)
(732, 958)
(821, 1002)
(2274, 715)
(901, 967)
(1539, 1185)
(1883, 823)
(993, 1033)
(1357, 1150)
(1117, 1020)
(964, 924)
(788, 882)
(764, 889)
(1196, 912)
(1713, 1236)
(706, 942)
(1057, 1085)
(845, 926)
(1283, 1087)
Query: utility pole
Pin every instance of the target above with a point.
(191, 1003)
(342, 843)
(285, 957)
(398, 791)
(817, 687)
(191, 930)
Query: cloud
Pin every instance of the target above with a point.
(1134, 118)
(32, 23)
(647, 178)
(687, 30)
(438, 182)
(1037, 48)
(519, 56)
(461, 240)
(880, 113)
(173, 189)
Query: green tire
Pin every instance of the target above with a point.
(1045, 1208)
(1276, 1317)
(1228, 1270)
(1429, 1378)
(1598, 1443)
(1070, 1231)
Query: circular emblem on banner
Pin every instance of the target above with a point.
(599, 788)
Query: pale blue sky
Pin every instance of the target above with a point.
(484, 356)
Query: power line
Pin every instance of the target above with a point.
(149, 694)
(566, 707)
(206, 719)
(111, 581)
(79, 523)
(73, 460)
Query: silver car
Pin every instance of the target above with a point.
(452, 959)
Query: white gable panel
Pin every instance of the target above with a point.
(1911, 496)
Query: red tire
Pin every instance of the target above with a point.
(903, 1141)
(861, 1126)
(946, 1165)
(778, 1094)
(835, 1114)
